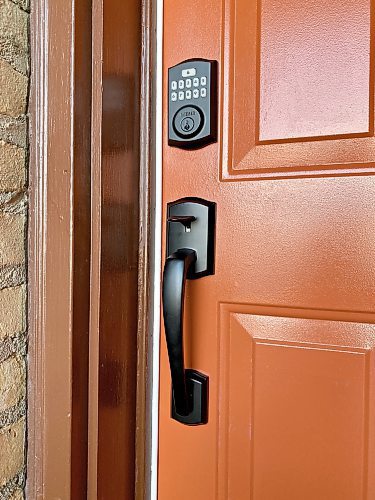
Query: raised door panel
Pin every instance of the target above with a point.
(296, 418)
(298, 94)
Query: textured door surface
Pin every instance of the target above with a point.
(285, 328)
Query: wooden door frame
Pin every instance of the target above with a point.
(143, 354)
(62, 231)
(59, 241)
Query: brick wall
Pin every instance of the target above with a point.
(14, 70)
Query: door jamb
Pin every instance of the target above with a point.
(150, 252)
(157, 248)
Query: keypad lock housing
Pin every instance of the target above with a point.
(192, 103)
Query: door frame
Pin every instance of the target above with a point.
(156, 252)
(62, 343)
(150, 255)
(58, 246)
(145, 247)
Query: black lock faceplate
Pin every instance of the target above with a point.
(192, 103)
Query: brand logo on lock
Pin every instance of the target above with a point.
(189, 113)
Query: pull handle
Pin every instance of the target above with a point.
(175, 271)
(190, 255)
(189, 387)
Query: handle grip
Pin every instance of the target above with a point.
(176, 269)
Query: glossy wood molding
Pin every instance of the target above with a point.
(119, 251)
(146, 252)
(89, 246)
(59, 237)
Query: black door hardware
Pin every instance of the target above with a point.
(192, 103)
(190, 250)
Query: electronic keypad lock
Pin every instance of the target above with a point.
(192, 103)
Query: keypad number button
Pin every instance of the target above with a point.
(188, 83)
(181, 96)
(174, 96)
(181, 84)
(174, 85)
(188, 94)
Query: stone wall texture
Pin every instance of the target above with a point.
(14, 85)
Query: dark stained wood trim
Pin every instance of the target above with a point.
(82, 243)
(59, 237)
(116, 232)
(89, 300)
(96, 227)
(147, 159)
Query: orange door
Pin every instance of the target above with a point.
(285, 327)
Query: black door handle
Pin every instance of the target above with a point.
(176, 268)
(190, 255)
